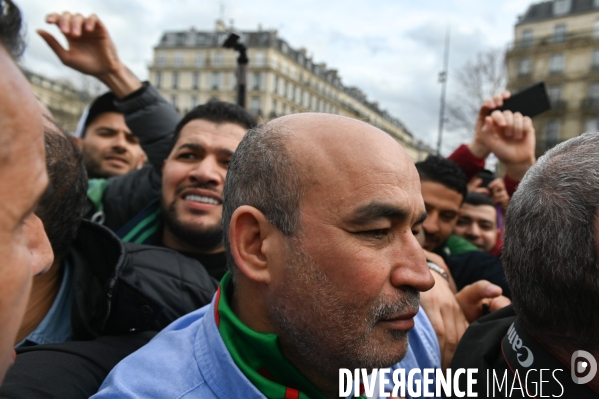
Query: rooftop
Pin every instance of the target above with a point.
(557, 8)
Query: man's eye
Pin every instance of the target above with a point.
(378, 234)
(186, 155)
(448, 217)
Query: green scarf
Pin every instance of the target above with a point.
(258, 355)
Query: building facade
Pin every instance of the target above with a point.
(191, 68)
(558, 42)
(62, 99)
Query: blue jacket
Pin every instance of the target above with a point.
(188, 359)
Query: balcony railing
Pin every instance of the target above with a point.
(569, 38)
(590, 104)
(558, 105)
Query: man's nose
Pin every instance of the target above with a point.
(38, 245)
(430, 224)
(410, 268)
(207, 171)
(120, 143)
(474, 230)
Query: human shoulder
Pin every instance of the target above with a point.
(165, 367)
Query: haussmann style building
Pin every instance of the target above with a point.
(191, 68)
(558, 42)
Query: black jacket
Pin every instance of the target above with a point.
(120, 289)
(481, 348)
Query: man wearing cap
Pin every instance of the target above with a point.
(107, 144)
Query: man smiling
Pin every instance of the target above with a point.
(325, 272)
(176, 200)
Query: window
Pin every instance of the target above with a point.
(284, 109)
(596, 29)
(556, 63)
(527, 38)
(524, 67)
(195, 81)
(559, 33)
(274, 107)
(282, 86)
(194, 101)
(257, 81)
(232, 78)
(555, 94)
(552, 133)
(158, 79)
(255, 105)
(592, 125)
(274, 61)
(289, 91)
(218, 58)
(275, 84)
(595, 59)
(178, 59)
(216, 80)
(258, 58)
(199, 59)
(175, 81)
(561, 7)
(180, 39)
(594, 91)
(174, 100)
(161, 59)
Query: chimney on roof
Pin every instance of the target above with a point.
(220, 26)
(303, 50)
(259, 27)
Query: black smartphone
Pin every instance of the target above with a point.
(487, 176)
(530, 101)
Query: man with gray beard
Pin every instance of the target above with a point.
(320, 215)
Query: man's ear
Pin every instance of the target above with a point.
(142, 160)
(254, 242)
(78, 141)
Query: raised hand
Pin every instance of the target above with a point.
(511, 137)
(91, 51)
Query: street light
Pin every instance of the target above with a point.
(233, 41)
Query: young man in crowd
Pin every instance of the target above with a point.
(478, 222)
(551, 262)
(97, 287)
(176, 201)
(108, 146)
(301, 241)
(24, 247)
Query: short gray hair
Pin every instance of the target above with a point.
(550, 248)
(264, 175)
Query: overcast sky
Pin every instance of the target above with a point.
(391, 49)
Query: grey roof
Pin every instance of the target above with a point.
(544, 10)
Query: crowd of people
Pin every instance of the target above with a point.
(208, 256)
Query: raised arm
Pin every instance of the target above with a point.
(91, 51)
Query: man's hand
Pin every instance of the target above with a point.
(91, 51)
(511, 137)
(479, 146)
(445, 315)
(499, 193)
(472, 298)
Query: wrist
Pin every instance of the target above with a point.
(518, 170)
(479, 149)
(121, 81)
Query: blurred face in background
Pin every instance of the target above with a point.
(442, 209)
(109, 148)
(478, 224)
(24, 247)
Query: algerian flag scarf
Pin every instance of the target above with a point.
(258, 355)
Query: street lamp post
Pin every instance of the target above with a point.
(233, 42)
